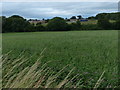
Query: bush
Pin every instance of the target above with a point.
(39, 28)
(117, 25)
(90, 27)
(75, 26)
(29, 28)
(57, 24)
(104, 23)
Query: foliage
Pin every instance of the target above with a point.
(75, 26)
(117, 24)
(90, 27)
(79, 17)
(3, 23)
(73, 17)
(47, 20)
(92, 17)
(15, 23)
(57, 24)
(39, 27)
(103, 22)
(111, 16)
(35, 75)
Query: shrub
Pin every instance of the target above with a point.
(29, 28)
(118, 25)
(39, 28)
(75, 26)
(104, 23)
(90, 27)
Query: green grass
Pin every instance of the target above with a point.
(89, 22)
(93, 22)
(90, 52)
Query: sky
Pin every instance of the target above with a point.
(60, 0)
(47, 10)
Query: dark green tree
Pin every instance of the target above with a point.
(92, 17)
(47, 20)
(73, 17)
(117, 24)
(3, 18)
(39, 23)
(103, 23)
(57, 24)
(75, 26)
(17, 23)
(79, 17)
(39, 27)
(111, 16)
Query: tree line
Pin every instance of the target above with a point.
(17, 23)
(111, 16)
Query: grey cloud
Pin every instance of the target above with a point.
(51, 9)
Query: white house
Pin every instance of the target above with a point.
(36, 21)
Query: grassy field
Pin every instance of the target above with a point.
(92, 54)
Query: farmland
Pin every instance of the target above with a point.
(90, 52)
(85, 22)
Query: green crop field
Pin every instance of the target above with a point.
(92, 54)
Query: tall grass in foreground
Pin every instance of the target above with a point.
(17, 75)
(35, 76)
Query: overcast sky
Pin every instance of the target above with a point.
(60, 0)
(46, 10)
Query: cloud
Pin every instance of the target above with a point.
(60, 1)
(51, 9)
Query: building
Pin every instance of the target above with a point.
(35, 21)
(73, 20)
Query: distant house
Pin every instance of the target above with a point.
(81, 20)
(73, 20)
(35, 21)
